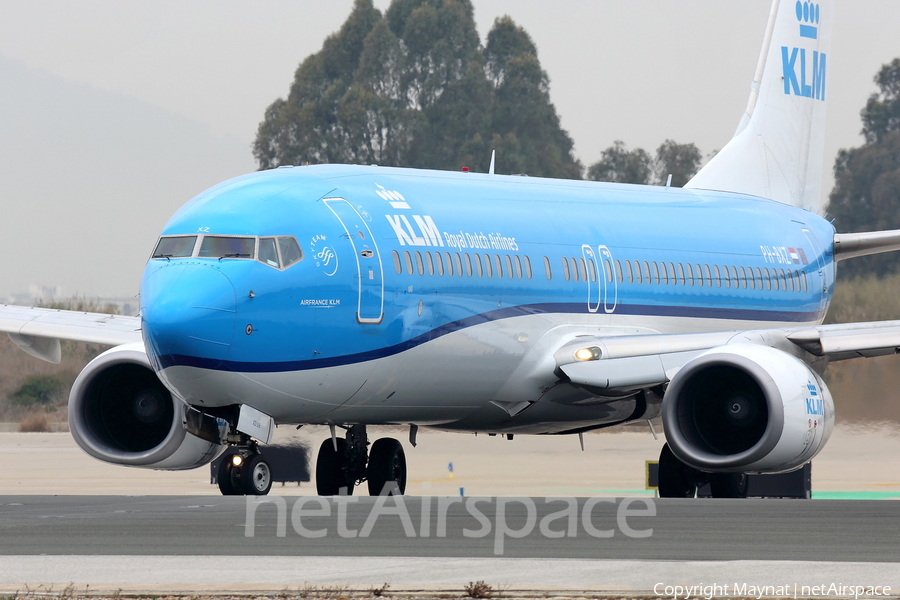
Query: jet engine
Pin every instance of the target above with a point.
(121, 413)
(747, 408)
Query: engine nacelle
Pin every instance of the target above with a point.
(747, 408)
(121, 413)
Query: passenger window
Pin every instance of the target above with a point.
(803, 280)
(699, 273)
(745, 283)
(607, 266)
(457, 262)
(619, 275)
(672, 279)
(509, 267)
(408, 260)
(468, 264)
(775, 285)
(397, 266)
(681, 279)
(175, 247)
(790, 280)
(268, 254)
(419, 264)
(759, 277)
(592, 269)
(528, 267)
(498, 264)
(449, 264)
(478, 268)
(439, 263)
(565, 268)
(429, 262)
(735, 278)
(707, 275)
(630, 271)
(637, 272)
(690, 274)
(487, 265)
(547, 268)
(214, 246)
(783, 278)
(725, 276)
(647, 279)
(290, 251)
(664, 275)
(518, 266)
(655, 273)
(718, 276)
(583, 266)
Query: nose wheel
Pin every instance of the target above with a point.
(244, 474)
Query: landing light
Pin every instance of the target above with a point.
(592, 353)
(237, 459)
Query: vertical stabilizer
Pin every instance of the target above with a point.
(778, 149)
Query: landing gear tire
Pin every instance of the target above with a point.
(676, 479)
(387, 466)
(728, 485)
(256, 476)
(331, 469)
(228, 478)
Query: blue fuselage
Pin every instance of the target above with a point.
(452, 279)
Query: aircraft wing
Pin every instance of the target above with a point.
(37, 331)
(646, 360)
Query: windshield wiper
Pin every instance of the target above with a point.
(235, 255)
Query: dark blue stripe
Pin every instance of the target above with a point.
(172, 360)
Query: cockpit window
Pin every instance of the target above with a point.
(267, 252)
(290, 251)
(175, 247)
(227, 247)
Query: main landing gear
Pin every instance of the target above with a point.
(678, 480)
(343, 463)
(245, 472)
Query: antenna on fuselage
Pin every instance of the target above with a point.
(491, 170)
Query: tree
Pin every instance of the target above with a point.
(620, 165)
(416, 88)
(681, 161)
(866, 194)
(525, 127)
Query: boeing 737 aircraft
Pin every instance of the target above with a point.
(352, 296)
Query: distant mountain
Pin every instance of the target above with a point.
(88, 178)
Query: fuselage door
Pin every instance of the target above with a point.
(610, 279)
(818, 276)
(369, 273)
(593, 279)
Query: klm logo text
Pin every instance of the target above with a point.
(421, 232)
(815, 406)
(804, 73)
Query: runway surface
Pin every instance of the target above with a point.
(700, 529)
(191, 543)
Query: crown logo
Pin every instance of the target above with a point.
(808, 14)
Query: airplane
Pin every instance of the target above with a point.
(357, 295)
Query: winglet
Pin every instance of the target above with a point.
(491, 170)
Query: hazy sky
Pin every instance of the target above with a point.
(636, 70)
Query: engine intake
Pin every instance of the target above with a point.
(121, 413)
(747, 408)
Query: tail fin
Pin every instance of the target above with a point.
(778, 149)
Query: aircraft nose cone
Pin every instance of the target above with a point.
(188, 314)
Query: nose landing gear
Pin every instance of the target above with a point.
(246, 472)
